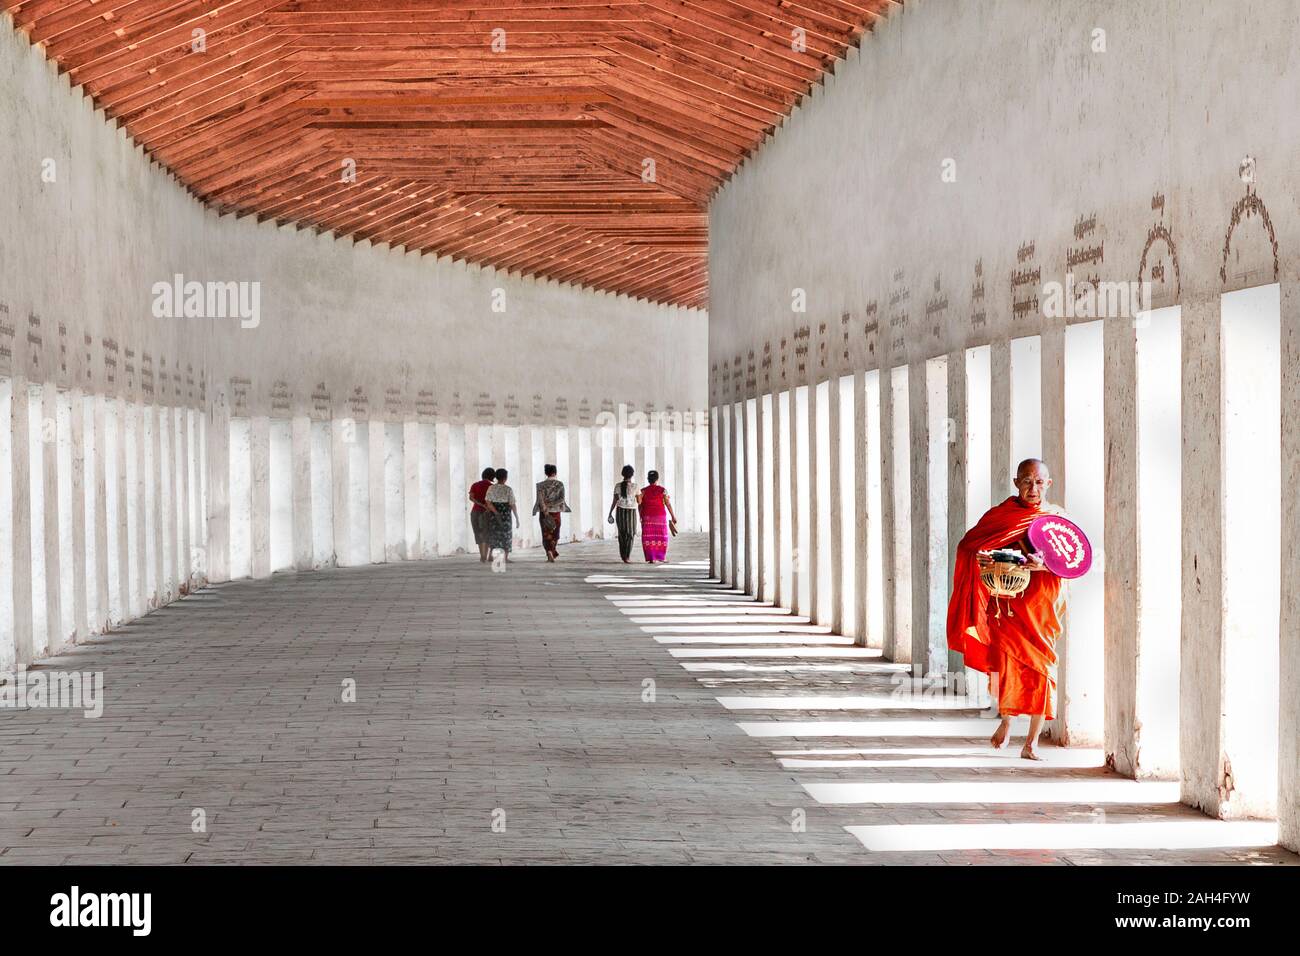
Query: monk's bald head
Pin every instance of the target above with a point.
(1029, 463)
(1032, 481)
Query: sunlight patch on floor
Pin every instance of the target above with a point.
(1039, 792)
(857, 702)
(1170, 835)
(961, 727)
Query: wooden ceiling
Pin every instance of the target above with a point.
(529, 154)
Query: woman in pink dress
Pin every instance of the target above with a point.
(656, 510)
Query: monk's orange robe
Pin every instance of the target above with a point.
(1013, 637)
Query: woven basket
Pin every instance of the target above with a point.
(1004, 579)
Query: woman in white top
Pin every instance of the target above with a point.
(622, 511)
(500, 502)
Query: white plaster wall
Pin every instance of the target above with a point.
(1042, 130)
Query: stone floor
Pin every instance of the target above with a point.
(579, 712)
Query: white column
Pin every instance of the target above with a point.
(153, 413)
(218, 455)
(342, 435)
(1288, 796)
(933, 548)
(376, 435)
(50, 480)
(573, 485)
(862, 451)
(888, 536)
(716, 562)
(813, 560)
(259, 441)
(836, 505)
(1002, 468)
(462, 476)
(919, 471)
(675, 456)
(102, 557)
(799, 562)
(1202, 759)
(731, 515)
(444, 495)
(529, 532)
(20, 429)
(187, 458)
(753, 544)
(168, 446)
(300, 463)
(601, 482)
(412, 547)
(762, 469)
(958, 520)
(77, 442)
(140, 490)
(779, 518)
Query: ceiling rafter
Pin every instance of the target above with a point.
(584, 150)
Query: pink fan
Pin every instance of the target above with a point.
(1064, 546)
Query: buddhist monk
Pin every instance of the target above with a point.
(1013, 640)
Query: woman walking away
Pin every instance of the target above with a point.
(656, 510)
(622, 511)
(548, 506)
(500, 500)
(479, 514)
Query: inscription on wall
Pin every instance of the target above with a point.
(978, 317)
(320, 401)
(129, 367)
(936, 309)
(898, 314)
(1084, 256)
(801, 336)
(110, 360)
(394, 400)
(1026, 279)
(359, 404)
(281, 396)
(426, 405)
(871, 327)
(1159, 264)
(35, 344)
(6, 337)
(239, 389)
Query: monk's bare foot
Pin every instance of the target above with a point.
(1029, 753)
(999, 738)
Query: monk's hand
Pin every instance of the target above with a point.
(983, 558)
(1034, 562)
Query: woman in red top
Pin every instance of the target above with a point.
(656, 509)
(478, 515)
